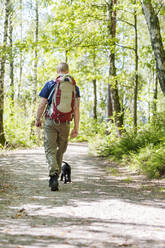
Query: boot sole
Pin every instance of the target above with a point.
(54, 187)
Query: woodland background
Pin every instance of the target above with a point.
(111, 52)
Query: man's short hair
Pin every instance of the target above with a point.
(62, 67)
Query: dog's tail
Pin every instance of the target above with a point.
(65, 162)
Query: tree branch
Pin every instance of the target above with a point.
(132, 13)
(98, 5)
(129, 23)
(157, 13)
(126, 47)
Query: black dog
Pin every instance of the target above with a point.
(66, 172)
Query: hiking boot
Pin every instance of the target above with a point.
(53, 182)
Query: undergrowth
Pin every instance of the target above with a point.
(149, 160)
(142, 150)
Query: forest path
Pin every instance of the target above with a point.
(97, 210)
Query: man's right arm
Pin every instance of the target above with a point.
(40, 111)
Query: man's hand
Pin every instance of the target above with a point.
(74, 133)
(38, 123)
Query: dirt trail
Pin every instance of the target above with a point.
(96, 210)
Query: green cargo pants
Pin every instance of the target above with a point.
(55, 143)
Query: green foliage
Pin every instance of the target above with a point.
(129, 142)
(143, 150)
(18, 130)
(90, 128)
(150, 160)
(112, 171)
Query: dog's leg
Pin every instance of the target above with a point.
(65, 180)
(69, 177)
(62, 175)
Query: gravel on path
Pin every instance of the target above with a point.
(96, 210)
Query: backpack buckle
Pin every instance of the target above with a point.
(57, 122)
(67, 123)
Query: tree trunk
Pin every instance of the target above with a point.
(11, 61)
(149, 97)
(155, 96)
(2, 71)
(156, 40)
(94, 87)
(35, 78)
(35, 54)
(20, 59)
(136, 70)
(66, 56)
(109, 105)
(112, 70)
(95, 99)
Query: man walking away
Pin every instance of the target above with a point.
(62, 98)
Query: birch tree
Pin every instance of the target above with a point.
(20, 55)
(2, 70)
(94, 88)
(113, 88)
(11, 59)
(156, 40)
(35, 52)
(136, 67)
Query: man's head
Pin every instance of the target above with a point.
(63, 68)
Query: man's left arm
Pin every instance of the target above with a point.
(74, 132)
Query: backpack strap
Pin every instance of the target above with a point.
(51, 92)
(58, 79)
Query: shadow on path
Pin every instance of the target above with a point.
(96, 210)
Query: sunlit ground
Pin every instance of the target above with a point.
(95, 210)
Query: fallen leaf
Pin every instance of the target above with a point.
(18, 215)
(21, 210)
